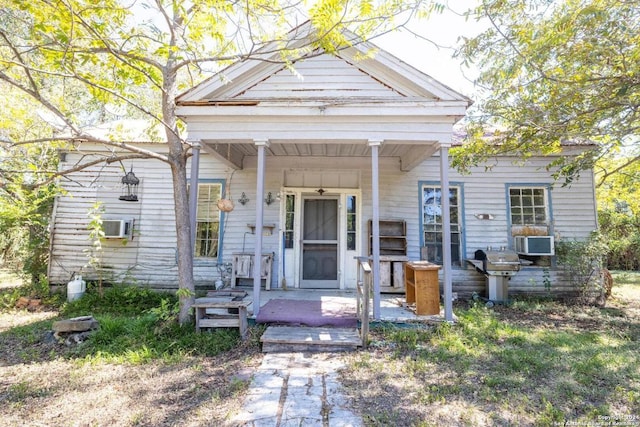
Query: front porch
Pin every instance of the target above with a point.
(325, 319)
(393, 307)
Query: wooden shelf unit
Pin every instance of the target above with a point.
(393, 237)
(393, 253)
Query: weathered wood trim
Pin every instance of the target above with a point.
(414, 156)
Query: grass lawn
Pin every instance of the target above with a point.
(534, 363)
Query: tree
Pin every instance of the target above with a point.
(619, 213)
(553, 72)
(25, 204)
(73, 57)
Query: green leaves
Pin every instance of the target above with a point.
(561, 71)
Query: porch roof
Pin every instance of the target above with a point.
(410, 130)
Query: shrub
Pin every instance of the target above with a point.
(121, 300)
(584, 262)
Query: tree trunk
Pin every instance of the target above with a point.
(183, 234)
(178, 163)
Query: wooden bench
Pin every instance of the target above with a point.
(238, 320)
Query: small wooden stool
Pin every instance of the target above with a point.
(238, 320)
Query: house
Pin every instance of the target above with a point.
(347, 156)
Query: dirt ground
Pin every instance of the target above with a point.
(198, 391)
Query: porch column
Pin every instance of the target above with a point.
(261, 144)
(193, 189)
(375, 225)
(446, 233)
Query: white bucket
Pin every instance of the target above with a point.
(76, 288)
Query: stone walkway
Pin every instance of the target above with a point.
(296, 389)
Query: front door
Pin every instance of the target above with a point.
(320, 243)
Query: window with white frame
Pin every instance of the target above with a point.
(431, 196)
(208, 220)
(351, 223)
(289, 217)
(528, 206)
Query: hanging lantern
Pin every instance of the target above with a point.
(130, 187)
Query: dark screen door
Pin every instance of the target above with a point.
(320, 243)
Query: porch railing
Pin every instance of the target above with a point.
(363, 297)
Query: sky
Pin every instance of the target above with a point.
(444, 30)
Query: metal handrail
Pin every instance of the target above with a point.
(363, 297)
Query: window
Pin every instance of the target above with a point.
(290, 203)
(351, 223)
(208, 220)
(431, 197)
(528, 206)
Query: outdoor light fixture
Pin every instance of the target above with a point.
(269, 199)
(130, 187)
(320, 191)
(243, 199)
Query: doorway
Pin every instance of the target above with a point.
(319, 263)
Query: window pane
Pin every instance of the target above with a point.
(351, 241)
(288, 241)
(528, 206)
(290, 203)
(432, 222)
(351, 204)
(351, 223)
(207, 220)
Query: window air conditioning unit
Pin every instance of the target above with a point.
(117, 228)
(534, 245)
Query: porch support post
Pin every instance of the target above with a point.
(375, 225)
(446, 233)
(261, 144)
(193, 189)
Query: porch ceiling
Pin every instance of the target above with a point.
(233, 153)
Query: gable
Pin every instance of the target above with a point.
(323, 76)
(360, 72)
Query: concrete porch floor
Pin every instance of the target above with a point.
(393, 307)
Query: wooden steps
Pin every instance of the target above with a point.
(280, 339)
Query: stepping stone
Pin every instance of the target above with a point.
(77, 324)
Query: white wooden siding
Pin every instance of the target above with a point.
(324, 76)
(150, 258)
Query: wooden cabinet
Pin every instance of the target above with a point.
(393, 237)
(392, 273)
(421, 286)
(242, 268)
